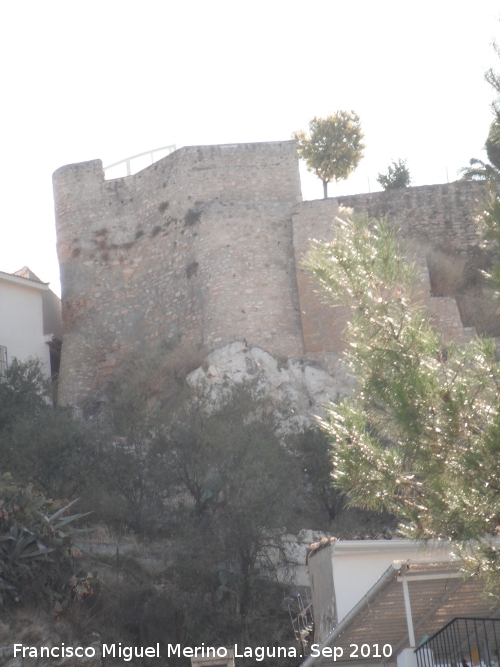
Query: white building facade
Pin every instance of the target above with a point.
(379, 603)
(30, 321)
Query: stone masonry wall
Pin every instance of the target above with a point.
(322, 324)
(204, 248)
(196, 248)
(437, 216)
(250, 289)
(443, 310)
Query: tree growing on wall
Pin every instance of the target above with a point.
(420, 437)
(397, 176)
(333, 147)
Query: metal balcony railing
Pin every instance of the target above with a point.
(152, 156)
(463, 642)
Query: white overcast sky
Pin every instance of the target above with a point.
(110, 79)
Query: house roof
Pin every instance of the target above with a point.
(438, 593)
(24, 277)
(317, 546)
(27, 273)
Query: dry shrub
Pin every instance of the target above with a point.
(453, 275)
(480, 313)
(106, 507)
(464, 278)
(160, 371)
(446, 273)
(106, 534)
(141, 607)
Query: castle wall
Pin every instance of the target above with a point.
(205, 247)
(443, 310)
(322, 324)
(247, 268)
(196, 248)
(437, 216)
(434, 216)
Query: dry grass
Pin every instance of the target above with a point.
(480, 313)
(107, 535)
(463, 278)
(446, 272)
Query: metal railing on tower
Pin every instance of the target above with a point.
(127, 162)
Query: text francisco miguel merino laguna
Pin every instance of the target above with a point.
(127, 653)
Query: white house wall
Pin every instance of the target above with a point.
(21, 324)
(358, 565)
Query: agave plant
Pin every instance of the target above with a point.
(36, 547)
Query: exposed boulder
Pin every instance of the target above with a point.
(298, 386)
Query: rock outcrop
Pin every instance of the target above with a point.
(300, 387)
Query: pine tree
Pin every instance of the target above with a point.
(420, 436)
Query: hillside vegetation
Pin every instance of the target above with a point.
(208, 484)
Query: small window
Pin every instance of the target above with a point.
(3, 360)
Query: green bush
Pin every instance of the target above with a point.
(398, 176)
